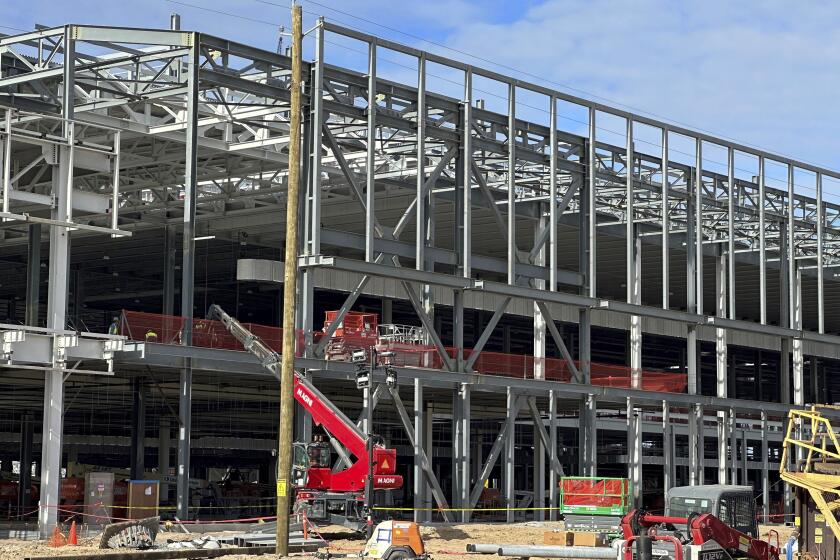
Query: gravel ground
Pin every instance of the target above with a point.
(442, 542)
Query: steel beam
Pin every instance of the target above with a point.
(498, 313)
(558, 340)
(505, 432)
(423, 458)
(542, 434)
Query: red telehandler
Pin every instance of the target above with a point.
(712, 522)
(325, 495)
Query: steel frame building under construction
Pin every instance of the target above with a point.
(497, 214)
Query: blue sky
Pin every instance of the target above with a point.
(758, 72)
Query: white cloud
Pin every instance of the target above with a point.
(763, 73)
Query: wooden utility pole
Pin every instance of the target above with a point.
(287, 373)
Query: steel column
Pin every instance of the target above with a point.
(591, 207)
(137, 460)
(666, 209)
(745, 480)
(458, 328)
(733, 446)
(510, 458)
(53, 416)
(589, 436)
(467, 159)
(552, 196)
(25, 458)
(188, 280)
(730, 214)
(695, 445)
(370, 162)
(668, 462)
(798, 353)
(820, 257)
(762, 243)
(419, 476)
(698, 226)
(169, 260)
(420, 211)
(765, 468)
(635, 296)
(164, 435)
(33, 275)
(552, 455)
(461, 439)
(721, 364)
(539, 476)
(634, 452)
(511, 186)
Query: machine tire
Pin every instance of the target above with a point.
(401, 553)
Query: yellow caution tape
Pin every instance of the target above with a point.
(465, 509)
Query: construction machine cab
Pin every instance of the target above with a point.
(307, 456)
(733, 505)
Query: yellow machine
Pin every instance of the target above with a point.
(813, 447)
(395, 540)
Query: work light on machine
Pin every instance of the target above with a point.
(358, 356)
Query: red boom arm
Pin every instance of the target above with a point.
(352, 479)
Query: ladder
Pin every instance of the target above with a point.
(810, 442)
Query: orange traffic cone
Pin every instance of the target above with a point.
(57, 539)
(73, 538)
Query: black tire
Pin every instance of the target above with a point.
(401, 553)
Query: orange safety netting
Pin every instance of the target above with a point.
(167, 329)
(595, 492)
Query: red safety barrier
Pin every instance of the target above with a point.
(595, 492)
(360, 329)
(168, 329)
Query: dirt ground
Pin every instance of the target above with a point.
(443, 542)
